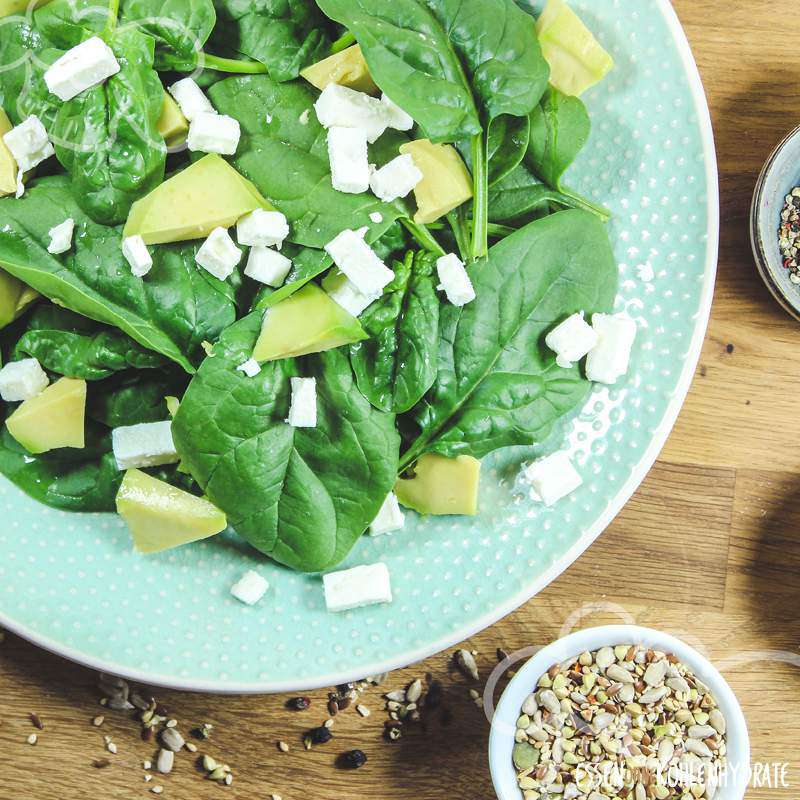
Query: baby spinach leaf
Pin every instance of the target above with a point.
(67, 23)
(132, 398)
(497, 383)
(507, 145)
(302, 496)
(397, 365)
(172, 311)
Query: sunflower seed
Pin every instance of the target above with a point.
(172, 740)
(655, 673)
(414, 691)
(717, 720)
(465, 661)
(619, 674)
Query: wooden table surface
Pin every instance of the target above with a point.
(708, 548)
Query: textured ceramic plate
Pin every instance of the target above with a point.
(73, 585)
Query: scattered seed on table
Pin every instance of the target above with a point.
(98, 720)
(32, 739)
(465, 661)
(36, 721)
(157, 789)
(165, 761)
(298, 703)
(283, 747)
(101, 763)
(362, 710)
(147, 764)
(354, 759)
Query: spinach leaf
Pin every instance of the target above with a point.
(172, 311)
(67, 23)
(303, 496)
(397, 365)
(507, 145)
(132, 398)
(497, 383)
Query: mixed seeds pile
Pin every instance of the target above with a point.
(789, 235)
(623, 722)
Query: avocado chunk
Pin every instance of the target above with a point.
(206, 195)
(577, 60)
(307, 322)
(15, 298)
(53, 419)
(8, 167)
(172, 125)
(9, 7)
(442, 485)
(446, 182)
(347, 68)
(161, 516)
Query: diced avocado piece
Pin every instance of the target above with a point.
(53, 419)
(15, 298)
(577, 60)
(347, 68)
(441, 485)
(307, 322)
(206, 195)
(446, 182)
(161, 516)
(172, 125)
(8, 167)
(9, 7)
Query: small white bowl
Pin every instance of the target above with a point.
(501, 739)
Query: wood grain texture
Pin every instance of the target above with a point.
(709, 548)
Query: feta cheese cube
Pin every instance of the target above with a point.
(390, 517)
(214, 133)
(267, 266)
(347, 152)
(571, 340)
(356, 259)
(191, 99)
(250, 588)
(455, 280)
(85, 65)
(609, 359)
(61, 237)
(218, 254)
(397, 179)
(303, 410)
(357, 587)
(251, 368)
(376, 217)
(137, 255)
(262, 228)
(398, 119)
(22, 380)
(350, 299)
(340, 106)
(553, 477)
(29, 144)
(147, 445)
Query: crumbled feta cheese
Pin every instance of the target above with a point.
(356, 259)
(147, 445)
(571, 340)
(454, 280)
(357, 587)
(645, 272)
(303, 410)
(29, 144)
(214, 133)
(347, 152)
(304, 117)
(398, 119)
(251, 368)
(137, 255)
(61, 237)
(346, 294)
(376, 217)
(85, 65)
(267, 266)
(390, 517)
(397, 179)
(553, 477)
(218, 254)
(191, 99)
(262, 228)
(342, 107)
(20, 184)
(608, 360)
(22, 380)
(250, 588)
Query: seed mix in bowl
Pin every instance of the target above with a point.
(622, 722)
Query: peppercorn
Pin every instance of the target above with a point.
(319, 735)
(354, 759)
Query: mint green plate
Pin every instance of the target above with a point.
(72, 584)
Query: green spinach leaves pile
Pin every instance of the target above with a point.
(430, 378)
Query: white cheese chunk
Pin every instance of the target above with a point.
(262, 228)
(376, 217)
(29, 144)
(357, 587)
(347, 153)
(214, 133)
(147, 445)
(85, 65)
(22, 380)
(609, 359)
(303, 410)
(398, 119)
(390, 517)
(61, 237)
(340, 106)
(571, 340)
(218, 254)
(20, 184)
(250, 588)
(346, 294)
(455, 280)
(397, 179)
(553, 477)
(267, 266)
(251, 368)
(356, 259)
(191, 99)
(137, 255)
